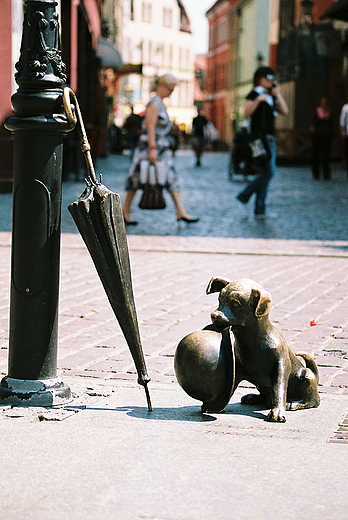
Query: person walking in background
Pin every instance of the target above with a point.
(132, 126)
(198, 124)
(174, 138)
(153, 145)
(263, 103)
(322, 130)
(344, 132)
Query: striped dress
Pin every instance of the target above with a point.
(166, 173)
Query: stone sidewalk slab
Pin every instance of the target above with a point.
(108, 457)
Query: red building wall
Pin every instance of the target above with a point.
(319, 7)
(81, 28)
(5, 57)
(217, 68)
(5, 98)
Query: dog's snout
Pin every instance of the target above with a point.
(219, 319)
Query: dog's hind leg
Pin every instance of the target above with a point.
(305, 393)
(303, 388)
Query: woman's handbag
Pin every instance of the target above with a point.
(152, 197)
(260, 152)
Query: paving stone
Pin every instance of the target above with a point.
(301, 260)
(340, 380)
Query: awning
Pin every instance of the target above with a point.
(131, 68)
(109, 55)
(110, 58)
(338, 11)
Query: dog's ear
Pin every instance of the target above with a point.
(264, 303)
(217, 284)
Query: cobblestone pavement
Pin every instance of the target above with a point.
(300, 257)
(304, 209)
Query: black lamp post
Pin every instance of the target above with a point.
(38, 126)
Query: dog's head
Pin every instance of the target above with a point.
(240, 302)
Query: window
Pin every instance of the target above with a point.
(149, 57)
(188, 55)
(170, 58)
(129, 9)
(146, 12)
(181, 64)
(127, 49)
(286, 17)
(167, 17)
(222, 31)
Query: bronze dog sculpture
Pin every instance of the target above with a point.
(260, 355)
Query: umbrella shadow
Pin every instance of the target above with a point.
(183, 413)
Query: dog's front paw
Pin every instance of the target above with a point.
(276, 415)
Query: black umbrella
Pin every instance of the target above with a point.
(98, 216)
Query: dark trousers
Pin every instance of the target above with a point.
(260, 184)
(321, 146)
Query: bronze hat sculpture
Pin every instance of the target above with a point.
(209, 366)
(204, 367)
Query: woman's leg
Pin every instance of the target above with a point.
(179, 205)
(251, 188)
(127, 205)
(266, 173)
(260, 184)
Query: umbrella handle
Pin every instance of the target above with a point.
(74, 115)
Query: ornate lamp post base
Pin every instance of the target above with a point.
(38, 392)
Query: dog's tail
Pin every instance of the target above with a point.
(309, 363)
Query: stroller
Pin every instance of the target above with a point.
(240, 166)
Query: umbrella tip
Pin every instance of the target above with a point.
(149, 405)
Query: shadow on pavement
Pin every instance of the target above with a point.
(183, 413)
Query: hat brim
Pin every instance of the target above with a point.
(221, 400)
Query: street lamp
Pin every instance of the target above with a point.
(38, 125)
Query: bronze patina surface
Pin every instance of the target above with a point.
(209, 367)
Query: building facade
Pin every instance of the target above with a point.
(218, 102)
(157, 35)
(253, 47)
(311, 63)
(11, 19)
(80, 25)
(308, 51)
(238, 42)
